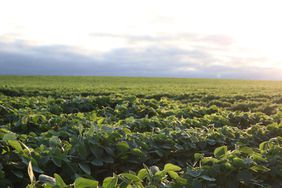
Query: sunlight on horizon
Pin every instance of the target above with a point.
(226, 30)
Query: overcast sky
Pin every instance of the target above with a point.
(207, 39)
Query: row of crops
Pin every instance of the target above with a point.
(74, 138)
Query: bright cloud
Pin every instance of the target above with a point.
(234, 39)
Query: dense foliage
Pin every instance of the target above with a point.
(136, 132)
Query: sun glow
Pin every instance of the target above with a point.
(252, 26)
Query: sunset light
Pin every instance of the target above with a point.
(236, 36)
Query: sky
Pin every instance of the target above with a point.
(233, 39)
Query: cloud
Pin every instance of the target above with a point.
(25, 59)
(218, 40)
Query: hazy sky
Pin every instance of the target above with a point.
(204, 38)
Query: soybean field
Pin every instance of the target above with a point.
(75, 131)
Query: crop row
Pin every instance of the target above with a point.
(113, 140)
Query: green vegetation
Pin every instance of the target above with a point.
(139, 132)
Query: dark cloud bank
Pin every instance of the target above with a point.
(19, 58)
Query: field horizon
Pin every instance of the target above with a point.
(153, 77)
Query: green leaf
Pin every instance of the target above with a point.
(173, 174)
(57, 161)
(209, 160)
(85, 183)
(97, 162)
(122, 146)
(220, 152)
(137, 152)
(80, 115)
(59, 181)
(171, 167)
(161, 174)
(126, 130)
(194, 172)
(257, 168)
(85, 168)
(9, 136)
(37, 169)
(181, 180)
(96, 150)
(16, 145)
(109, 150)
(55, 141)
(142, 173)
(246, 150)
(131, 177)
(93, 116)
(82, 150)
(24, 120)
(100, 121)
(263, 146)
(4, 130)
(110, 182)
(18, 174)
(207, 178)
(159, 153)
(198, 156)
(47, 185)
(258, 158)
(248, 161)
(47, 179)
(238, 162)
